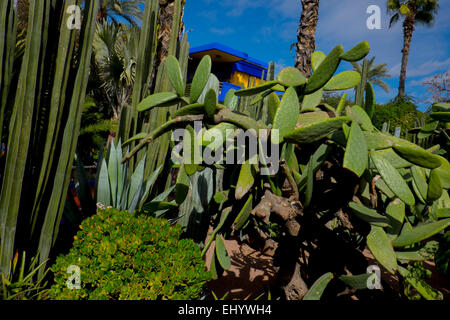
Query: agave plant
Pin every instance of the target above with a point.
(115, 186)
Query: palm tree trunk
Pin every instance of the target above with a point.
(306, 35)
(22, 14)
(408, 29)
(167, 8)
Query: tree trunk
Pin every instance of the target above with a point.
(408, 29)
(167, 8)
(306, 36)
(22, 15)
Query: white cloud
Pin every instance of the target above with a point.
(222, 31)
(424, 69)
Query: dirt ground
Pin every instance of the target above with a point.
(251, 273)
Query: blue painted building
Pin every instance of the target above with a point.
(234, 68)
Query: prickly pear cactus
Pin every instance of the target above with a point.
(341, 185)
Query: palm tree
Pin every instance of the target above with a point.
(126, 9)
(414, 12)
(374, 73)
(165, 21)
(306, 36)
(115, 53)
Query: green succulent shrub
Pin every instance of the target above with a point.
(130, 257)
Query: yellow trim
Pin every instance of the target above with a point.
(238, 78)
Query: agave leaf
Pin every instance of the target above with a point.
(200, 78)
(113, 173)
(104, 190)
(182, 185)
(318, 287)
(343, 81)
(153, 206)
(174, 72)
(380, 245)
(291, 77)
(191, 154)
(222, 253)
(148, 184)
(356, 155)
(393, 179)
(161, 197)
(136, 181)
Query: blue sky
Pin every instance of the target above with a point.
(265, 29)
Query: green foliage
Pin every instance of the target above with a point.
(442, 258)
(130, 257)
(46, 106)
(116, 186)
(22, 282)
(399, 113)
(94, 130)
(333, 161)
